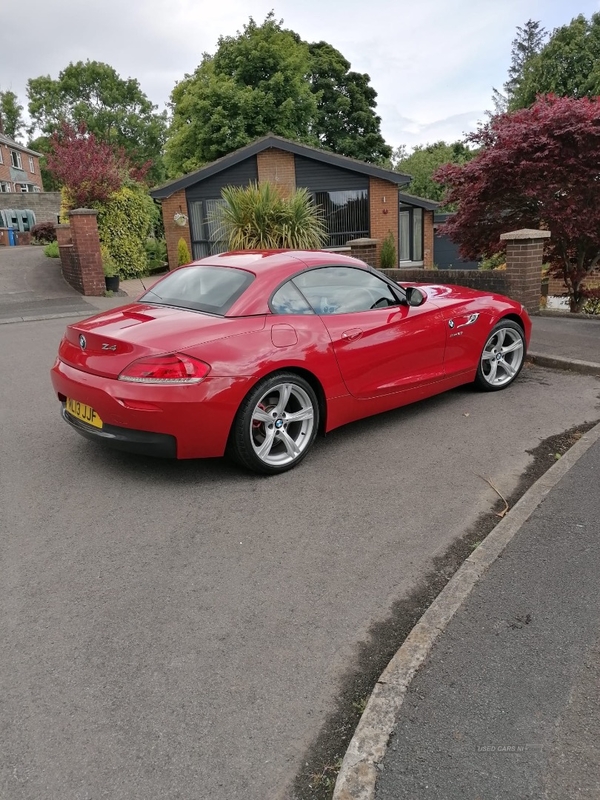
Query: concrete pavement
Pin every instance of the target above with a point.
(495, 692)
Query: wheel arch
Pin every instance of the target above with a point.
(513, 317)
(308, 376)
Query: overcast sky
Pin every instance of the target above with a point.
(432, 62)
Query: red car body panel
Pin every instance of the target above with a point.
(360, 363)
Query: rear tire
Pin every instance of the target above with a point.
(276, 424)
(502, 357)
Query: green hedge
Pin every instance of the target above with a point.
(124, 223)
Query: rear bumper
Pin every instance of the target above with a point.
(144, 443)
(192, 420)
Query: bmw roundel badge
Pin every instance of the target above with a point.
(82, 341)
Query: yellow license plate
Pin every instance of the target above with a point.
(83, 412)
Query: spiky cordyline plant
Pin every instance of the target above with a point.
(257, 217)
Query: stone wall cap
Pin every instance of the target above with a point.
(526, 233)
(82, 211)
(364, 241)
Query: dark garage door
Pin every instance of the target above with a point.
(445, 255)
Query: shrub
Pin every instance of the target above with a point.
(183, 253)
(156, 252)
(387, 259)
(497, 261)
(51, 250)
(44, 232)
(592, 306)
(124, 223)
(109, 265)
(258, 217)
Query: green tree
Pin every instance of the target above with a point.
(526, 44)
(567, 66)
(267, 80)
(254, 85)
(115, 110)
(11, 114)
(425, 160)
(345, 121)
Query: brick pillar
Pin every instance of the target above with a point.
(175, 204)
(365, 250)
(427, 239)
(86, 245)
(524, 258)
(63, 234)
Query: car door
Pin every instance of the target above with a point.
(382, 345)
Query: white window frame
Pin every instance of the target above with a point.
(16, 156)
(5, 187)
(31, 165)
(1, 157)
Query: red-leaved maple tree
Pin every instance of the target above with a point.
(537, 168)
(90, 170)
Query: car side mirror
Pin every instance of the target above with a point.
(414, 296)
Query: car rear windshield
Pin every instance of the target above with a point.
(210, 289)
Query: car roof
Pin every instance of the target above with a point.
(272, 268)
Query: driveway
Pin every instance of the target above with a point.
(31, 284)
(183, 629)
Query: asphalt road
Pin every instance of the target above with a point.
(180, 629)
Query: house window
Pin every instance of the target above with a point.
(15, 159)
(1, 157)
(5, 187)
(204, 228)
(410, 233)
(346, 214)
(31, 165)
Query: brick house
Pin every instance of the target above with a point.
(19, 167)
(359, 200)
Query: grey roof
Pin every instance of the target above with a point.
(4, 139)
(344, 162)
(419, 202)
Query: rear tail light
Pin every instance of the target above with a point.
(174, 368)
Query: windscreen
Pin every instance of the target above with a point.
(210, 289)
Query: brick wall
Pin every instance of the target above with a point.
(483, 280)
(45, 205)
(79, 248)
(521, 280)
(278, 168)
(383, 212)
(173, 232)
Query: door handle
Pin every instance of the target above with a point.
(352, 335)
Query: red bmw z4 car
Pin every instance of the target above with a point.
(253, 353)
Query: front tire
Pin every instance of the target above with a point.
(502, 357)
(275, 425)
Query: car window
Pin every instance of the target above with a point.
(342, 290)
(210, 289)
(289, 300)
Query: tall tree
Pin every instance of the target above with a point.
(568, 65)
(526, 44)
(423, 163)
(537, 168)
(115, 110)
(252, 86)
(11, 112)
(267, 80)
(345, 121)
